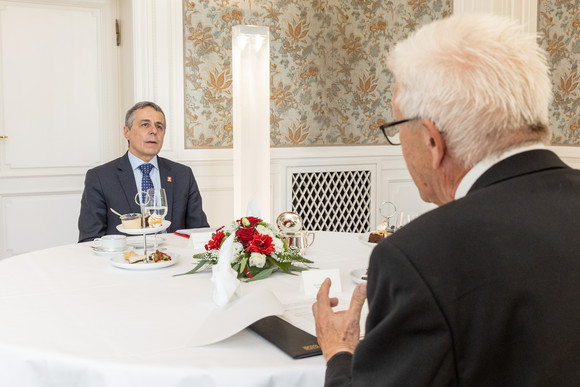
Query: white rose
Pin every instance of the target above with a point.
(237, 248)
(257, 260)
(278, 245)
(264, 231)
(231, 227)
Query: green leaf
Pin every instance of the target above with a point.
(284, 265)
(261, 275)
(195, 269)
(243, 263)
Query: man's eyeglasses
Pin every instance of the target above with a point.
(384, 128)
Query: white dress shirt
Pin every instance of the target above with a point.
(154, 174)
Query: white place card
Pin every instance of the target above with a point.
(313, 279)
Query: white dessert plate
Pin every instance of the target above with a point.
(120, 262)
(137, 241)
(357, 274)
(147, 230)
(99, 251)
(364, 239)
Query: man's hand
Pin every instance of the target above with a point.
(340, 331)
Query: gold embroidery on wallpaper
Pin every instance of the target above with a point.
(328, 79)
(329, 84)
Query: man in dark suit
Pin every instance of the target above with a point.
(483, 290)
(116, 183)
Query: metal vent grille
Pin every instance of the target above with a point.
(333, 201)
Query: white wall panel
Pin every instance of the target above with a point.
(50, 92)
(36, 222)
(58, 109)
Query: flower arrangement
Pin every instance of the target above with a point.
(258, 250)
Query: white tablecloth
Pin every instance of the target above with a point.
(70, 318)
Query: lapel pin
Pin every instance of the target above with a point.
(169, 179)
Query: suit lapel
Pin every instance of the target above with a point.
(518, 165)
(127, 180)
(166, 182)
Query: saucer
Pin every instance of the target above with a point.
(99, 251)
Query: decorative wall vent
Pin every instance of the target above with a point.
(333, 201)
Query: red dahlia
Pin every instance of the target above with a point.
(261, 244)
(216, 241)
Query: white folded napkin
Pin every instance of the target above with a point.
(223, 276)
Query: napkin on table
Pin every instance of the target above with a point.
(223, 276)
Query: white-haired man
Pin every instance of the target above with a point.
(482, 291)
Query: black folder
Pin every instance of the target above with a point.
(290, 339)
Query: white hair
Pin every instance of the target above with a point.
(480, 78)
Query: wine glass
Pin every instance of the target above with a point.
(387, 210)
(404, 218)
(156, 206)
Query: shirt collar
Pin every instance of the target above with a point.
(136, 161)
(480, 168)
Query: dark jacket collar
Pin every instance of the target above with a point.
(518, 165)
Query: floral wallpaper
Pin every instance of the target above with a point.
(328, 77)
(329, 83)
(559, 28)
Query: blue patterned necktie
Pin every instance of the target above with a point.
(146, 182)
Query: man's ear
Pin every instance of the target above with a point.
(126, 132)
(436, 143)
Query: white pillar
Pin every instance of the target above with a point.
(526, 11)
(251, 114)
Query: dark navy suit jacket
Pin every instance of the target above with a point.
(483, 291)
(112, 185)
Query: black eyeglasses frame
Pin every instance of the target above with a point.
(384, 127)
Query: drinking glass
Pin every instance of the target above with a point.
(387, 210)
(403, 218)
(157, 205)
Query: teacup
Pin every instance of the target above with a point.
(111, 243)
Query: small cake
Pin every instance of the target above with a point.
(131, 221)
(376, 236)
(145, 221)
(155, 220)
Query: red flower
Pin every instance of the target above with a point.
(245, 234)
(261, 244)
(252, 219)
(216, 241)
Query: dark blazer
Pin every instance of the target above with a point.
(112, 185)
(483, 291)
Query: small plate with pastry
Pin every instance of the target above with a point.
(372, 238)
(132, 260)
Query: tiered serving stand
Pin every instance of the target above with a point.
(144, 231)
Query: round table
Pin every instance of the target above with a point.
(68, 317)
